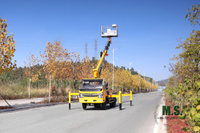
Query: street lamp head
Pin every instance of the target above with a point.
(117, 48)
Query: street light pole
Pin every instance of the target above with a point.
(130, 70)
(144, 81)
(113, 67)
(139, 81)
(130, 66)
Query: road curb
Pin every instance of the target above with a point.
(160, 124)
(30, 106)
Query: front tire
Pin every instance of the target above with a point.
(104, 106)
(84, 105)
(96, 105)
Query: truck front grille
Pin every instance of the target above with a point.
(90, 95)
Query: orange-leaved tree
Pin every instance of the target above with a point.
(31, 71)
(85, 64)
(76, 68)
(7, 48)
(50, 58)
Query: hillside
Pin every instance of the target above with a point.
(162, 82)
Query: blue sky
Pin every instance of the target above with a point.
(148, 29)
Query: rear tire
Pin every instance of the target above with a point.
(113, 104)
(84, 105)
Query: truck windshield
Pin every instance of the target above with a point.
(91, 86)
(93, 83)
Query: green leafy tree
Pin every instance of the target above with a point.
(184, 87)
(194, 14)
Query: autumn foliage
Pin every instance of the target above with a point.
(7, 48)
(59, 65)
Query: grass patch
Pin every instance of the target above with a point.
(16, 91)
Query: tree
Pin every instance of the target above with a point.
(7, 48)
(117, 78)
(62, 66)
(31, 71)
(194, 14)
(50, 58)
(191, 56)
(75, 68)
(86, 67)
(136, 81)
(184, 86)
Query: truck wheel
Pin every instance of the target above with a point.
(84, 105)
(113, 104)
(104, 106)
(107, 100)
(96, 105)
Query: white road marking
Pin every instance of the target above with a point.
(158, 120)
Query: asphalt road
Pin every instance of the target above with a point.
(139, 118)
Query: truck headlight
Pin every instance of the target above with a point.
(80, 95)
(100, 95)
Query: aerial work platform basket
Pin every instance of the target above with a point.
(109, 31)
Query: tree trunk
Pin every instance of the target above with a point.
(196, 93)
(54, 83)
(37, 84)
(62, 89)
(181, 102)
(61, 84)
(49, 88)
(55, 87)
(74, 85)
(29, 88)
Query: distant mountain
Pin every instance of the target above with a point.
(162, 82)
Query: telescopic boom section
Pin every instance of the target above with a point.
(97, 71)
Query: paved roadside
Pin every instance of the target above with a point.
(20, 104)
(20, 101)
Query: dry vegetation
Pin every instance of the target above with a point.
(15, 91)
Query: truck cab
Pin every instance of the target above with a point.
(94, 92)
